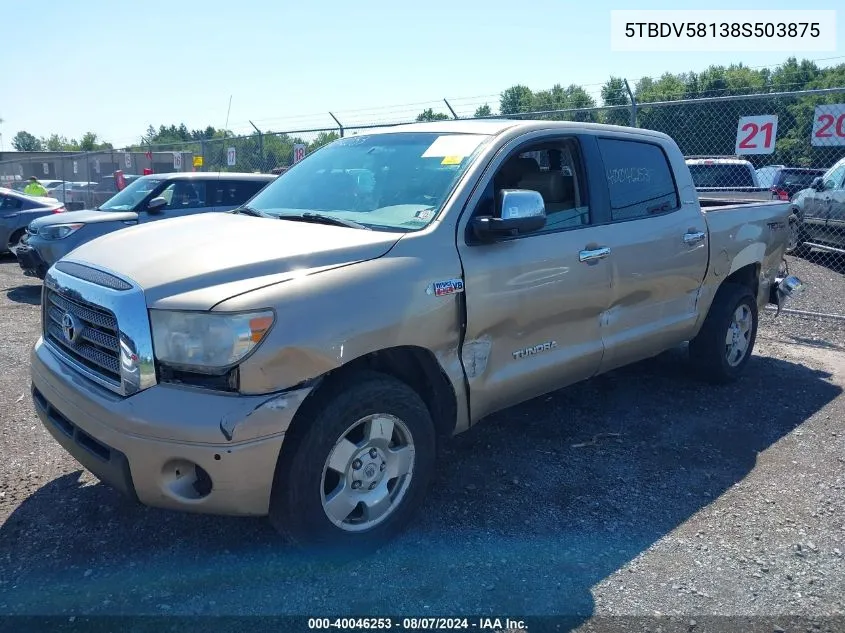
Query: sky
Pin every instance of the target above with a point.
(115, 68)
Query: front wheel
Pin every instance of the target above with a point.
(795, 243)
(723, 347)
(359, 469)
(15, 241)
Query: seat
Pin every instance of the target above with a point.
(558, 192)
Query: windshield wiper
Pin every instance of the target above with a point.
(245, 210)
(319, 218)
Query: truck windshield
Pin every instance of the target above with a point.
(131, 195)
(389, 181)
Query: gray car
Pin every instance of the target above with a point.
(17, 210)
(147, 199)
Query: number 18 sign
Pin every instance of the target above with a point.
(756, 134)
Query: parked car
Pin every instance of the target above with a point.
(728, 179)
(302, 358)
(818, 213)
(17, 211)
(766, 175)
(147, 199)
(103, 190)
(20, 185)
(78, 195)
(63, 191)
(785, 182)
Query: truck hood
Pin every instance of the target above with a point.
(195, 262)
(85, 216)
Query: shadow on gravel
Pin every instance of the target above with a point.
(25, 294)
(528, 512)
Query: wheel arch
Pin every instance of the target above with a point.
(417, 367)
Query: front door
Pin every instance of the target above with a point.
(534, 303)
(184, 197)
(817, 206)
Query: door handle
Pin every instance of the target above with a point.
(694, 237)
(590, 255)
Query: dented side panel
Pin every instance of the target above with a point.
(533, 316)
(329, 319)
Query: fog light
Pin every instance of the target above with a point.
(186, 480)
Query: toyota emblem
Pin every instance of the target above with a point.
(70, 327)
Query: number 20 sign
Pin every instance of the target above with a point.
(756, 134)
(829, 125)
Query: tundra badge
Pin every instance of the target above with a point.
(536, 349)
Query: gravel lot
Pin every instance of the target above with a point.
(711, 501)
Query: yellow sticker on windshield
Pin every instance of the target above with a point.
(451, 160)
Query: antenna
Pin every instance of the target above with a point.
(226, 126)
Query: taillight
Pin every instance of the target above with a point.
(781, 194)
(59, 210)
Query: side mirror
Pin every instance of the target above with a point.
(818, 183)
(519, 211)
(156, 205)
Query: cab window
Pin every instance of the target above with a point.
(232, 193)
(639, 179)
(554, 170)
(185, 194)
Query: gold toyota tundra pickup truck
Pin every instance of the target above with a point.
(302, 356)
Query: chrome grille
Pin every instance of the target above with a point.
(95, 276)
(96, 346)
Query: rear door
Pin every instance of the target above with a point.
(228, 193)
(658, 253)
(834, 204)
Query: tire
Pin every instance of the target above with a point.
(14, 240)
(304, 485)
(716, 360)
(795, 246)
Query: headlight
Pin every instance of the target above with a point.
(59, 231)
(207, 342)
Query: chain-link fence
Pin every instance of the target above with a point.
(787, 146)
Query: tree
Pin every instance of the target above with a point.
(89, 143)
(614, 93)
(323, 138)
(26, 142)
(484, 110)
(430, 115)
(516, 99)
(56, 143)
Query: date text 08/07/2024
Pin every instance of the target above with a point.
(412, 624)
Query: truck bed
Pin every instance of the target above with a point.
(713, 204)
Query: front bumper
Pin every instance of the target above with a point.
(31, 262)
(165, 446)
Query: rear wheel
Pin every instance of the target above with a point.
(725, 343)
(795, 243)
(354, 476)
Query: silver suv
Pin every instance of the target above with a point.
(147, 199)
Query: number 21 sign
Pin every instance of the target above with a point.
(756, 134)
(829, 125)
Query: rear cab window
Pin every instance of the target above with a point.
(639, 179)
(232, 193)
(795, 178)
(714, 174)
